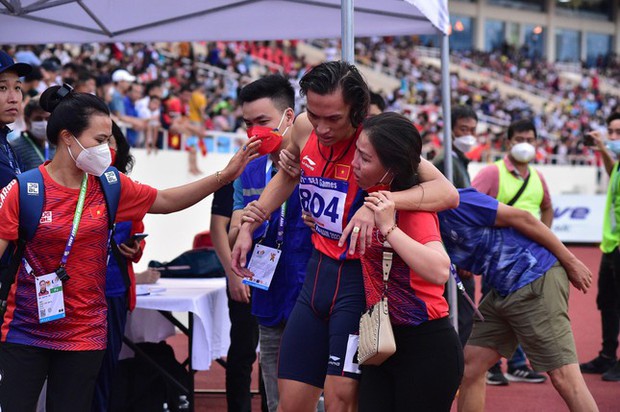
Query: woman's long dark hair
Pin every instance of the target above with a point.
(398, 145)
(124, 160)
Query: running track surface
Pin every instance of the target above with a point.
(517, 397)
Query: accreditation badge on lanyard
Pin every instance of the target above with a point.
(264, 260)
(50, 297)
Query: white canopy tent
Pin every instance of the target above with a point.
(54, 21)
(86, 21)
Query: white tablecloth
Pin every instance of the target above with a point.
(205, 298)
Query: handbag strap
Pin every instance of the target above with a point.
(387, 261)
(387, 267)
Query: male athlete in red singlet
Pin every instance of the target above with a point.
(317, 353)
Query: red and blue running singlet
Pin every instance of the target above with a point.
(328, 191)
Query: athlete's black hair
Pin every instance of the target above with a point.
(328, 77)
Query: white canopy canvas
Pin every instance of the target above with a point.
(82, 21)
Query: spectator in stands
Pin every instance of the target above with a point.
(153, 88)
(464, 122)
(25, 54)
(31, 82)
(151, 114)
(196, 105)
(377, 104)
(85, 83)
(131, 116)
(608, 295)
(49, 70)
(32, 146)
(514, 182)
(69, 73)
(122, 81)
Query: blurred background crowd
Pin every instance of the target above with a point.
(177, 95)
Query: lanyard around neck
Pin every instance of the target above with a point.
(74, 228)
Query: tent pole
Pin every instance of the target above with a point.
(447, 146)
(346, 27)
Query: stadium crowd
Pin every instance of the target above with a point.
(197, 84)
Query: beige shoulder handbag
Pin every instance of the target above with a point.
(377, 342)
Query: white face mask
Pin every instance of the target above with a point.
(94, 160)
(523, 152)
(614, 146)
(39, 129)
(465, 143)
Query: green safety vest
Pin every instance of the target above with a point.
(611, 234)
(531, 198)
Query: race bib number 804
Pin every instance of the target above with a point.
(325, 200)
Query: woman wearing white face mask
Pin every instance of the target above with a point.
(72, 238)
(32, 147)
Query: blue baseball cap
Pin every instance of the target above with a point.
(7, 63)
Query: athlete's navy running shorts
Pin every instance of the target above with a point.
(322, 332)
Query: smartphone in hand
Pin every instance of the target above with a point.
(136, 238)
(588, 140)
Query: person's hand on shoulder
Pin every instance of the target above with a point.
(289, 163)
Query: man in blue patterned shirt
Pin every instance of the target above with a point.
(528, 270)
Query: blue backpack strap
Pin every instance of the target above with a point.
(31, 199)
(111, 185)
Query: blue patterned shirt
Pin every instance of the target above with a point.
(505, 258)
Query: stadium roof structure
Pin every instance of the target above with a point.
(85, 21)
